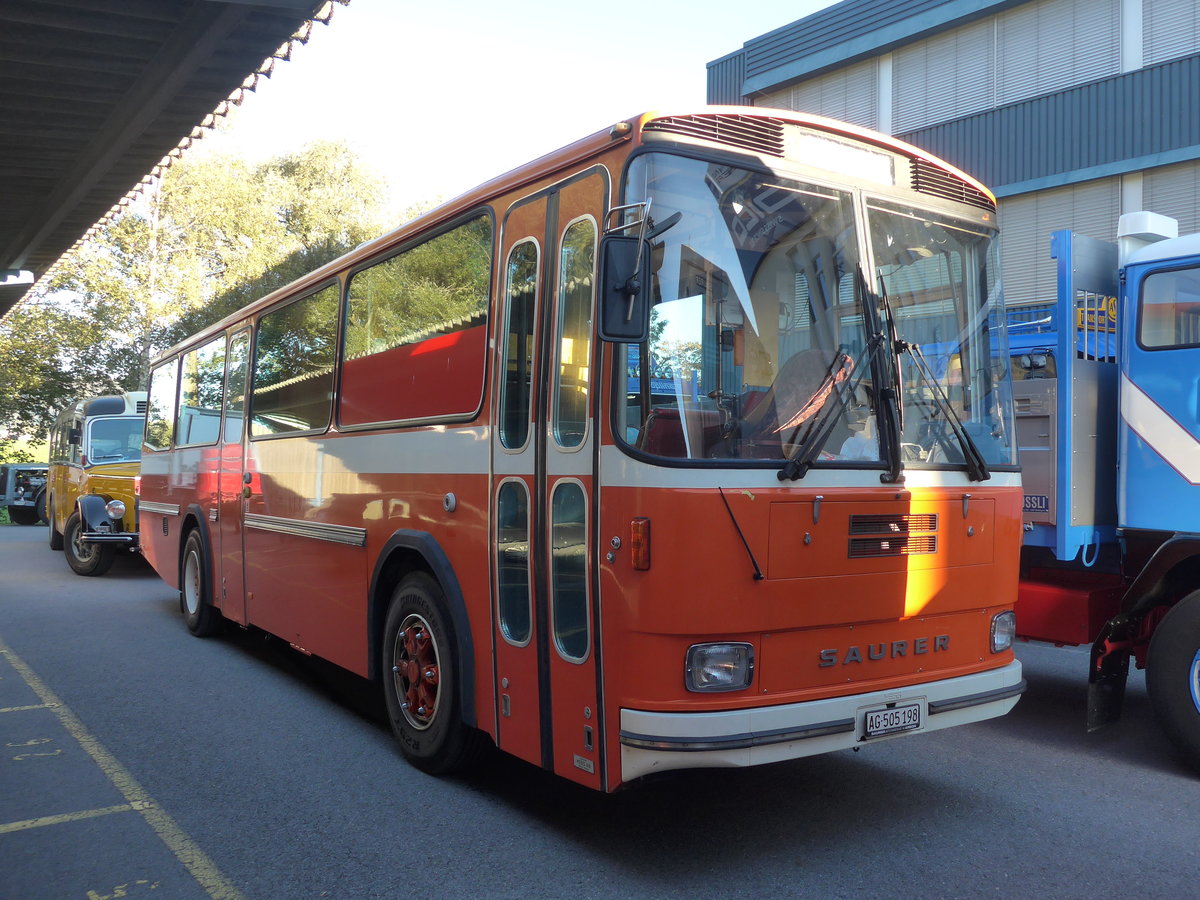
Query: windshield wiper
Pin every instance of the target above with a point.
(977, 468)
(820, 410)
(885, 372)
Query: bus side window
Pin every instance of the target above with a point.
(416, 330)
(576, 265)
(160, 407)
(517, 350)
(235, 388)
(293, 366)
(200, 391)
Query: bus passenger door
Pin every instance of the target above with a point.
(547, 671)
(230, 586)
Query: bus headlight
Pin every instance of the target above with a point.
(1004, 629)
(115, 509)
(719, 667)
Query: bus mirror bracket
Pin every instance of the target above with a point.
(624, 288)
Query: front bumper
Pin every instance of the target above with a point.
(662, 741)
(109, 537)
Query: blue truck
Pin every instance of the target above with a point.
(1107, 394)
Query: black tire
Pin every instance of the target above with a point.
(56, 538)
(195, 592)
(39, 507)
(85, 559)
(22, 515)
(1173, 676)
(420, 674)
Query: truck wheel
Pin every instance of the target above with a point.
(195, 593)
(1173, 676)
(39, 507)
(22, 515)
(85, 559)
(56, 539)
(420, 673)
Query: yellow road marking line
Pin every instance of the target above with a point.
(187, 851)
(42, 821)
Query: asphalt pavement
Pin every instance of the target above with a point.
(139, 761)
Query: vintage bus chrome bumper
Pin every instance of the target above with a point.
(108, 537)
(662, 741)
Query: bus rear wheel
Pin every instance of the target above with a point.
(420, 674)
(56, 538)
(1173, 676)
(85, 558)
(195, 592)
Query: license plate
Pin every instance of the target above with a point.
(893, 720)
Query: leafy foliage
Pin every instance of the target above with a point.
(215, 234)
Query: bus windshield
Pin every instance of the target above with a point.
(760, 347)
(115, 439)
(937, 278)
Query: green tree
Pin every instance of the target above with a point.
(216, 233)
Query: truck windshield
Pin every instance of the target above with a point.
(757, 347)
(938, 276)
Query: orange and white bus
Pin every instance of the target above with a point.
(690, 444)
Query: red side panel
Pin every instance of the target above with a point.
(1067, 607)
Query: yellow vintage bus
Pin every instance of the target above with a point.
(95, 456)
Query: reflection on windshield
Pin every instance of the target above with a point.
(936, 277)
(756, 339)
(115, 440)
(759, 348)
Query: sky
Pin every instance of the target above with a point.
(440, 97)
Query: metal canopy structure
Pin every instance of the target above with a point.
(97, 95)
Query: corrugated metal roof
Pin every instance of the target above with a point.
(94, 95)
(851, 30)
(725, 77)
(1124, 123)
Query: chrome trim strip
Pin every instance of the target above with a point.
(941, 706)
(737, 741)
(320, 531)
(103, 537)
(163, 509)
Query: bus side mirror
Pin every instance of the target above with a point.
(74, 436)
(624, 289)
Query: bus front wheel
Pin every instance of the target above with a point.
(85, 558)
(195, 591)
(1173, 676)
(420, 673)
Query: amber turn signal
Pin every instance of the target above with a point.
(639, 543)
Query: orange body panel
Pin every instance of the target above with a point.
(701, 587)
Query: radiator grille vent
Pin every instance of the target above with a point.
(758, 133)
(902, 524)
(900, 545)
(141, 407)
(906, 534)
(930, 179)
